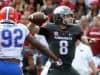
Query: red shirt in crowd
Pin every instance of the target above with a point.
(94, 32)
(69, 4)
(18, 16)
(7, 2)
(57, 1)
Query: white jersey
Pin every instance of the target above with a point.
(12, 37)
(83, 56)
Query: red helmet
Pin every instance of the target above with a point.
(8, 13)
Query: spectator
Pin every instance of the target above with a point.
(68, 3)
(24, 20)
(84, 58)
(94, 37)
(48, 8)
(74, 1)
(7, 2)
(80, 8)
(19, 5)
(31, 5)
(1, 4)
(87, 2)
(39, 2)
(94, 10)
(99, 4)
(84, 24)
(57, 2)
(93, 32)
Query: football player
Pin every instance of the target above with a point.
(12, 37)
(62, 35)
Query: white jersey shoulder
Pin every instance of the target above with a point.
(24, 28)
(12, 38)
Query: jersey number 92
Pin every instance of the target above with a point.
(11, 38)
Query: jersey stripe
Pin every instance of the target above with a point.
(7, 14)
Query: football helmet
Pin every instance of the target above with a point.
(60, 13)
(8, 13)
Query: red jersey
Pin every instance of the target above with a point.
(95, 33)
(7, 2)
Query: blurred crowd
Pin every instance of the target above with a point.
(86, 13)
(89, 8)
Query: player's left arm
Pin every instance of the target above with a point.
(41, 47)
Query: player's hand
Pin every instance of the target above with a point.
(59, 62)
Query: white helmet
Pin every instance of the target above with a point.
(59, 14)
(63, 10)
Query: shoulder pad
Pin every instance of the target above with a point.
(50, 26)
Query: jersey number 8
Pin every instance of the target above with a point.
(63, 47)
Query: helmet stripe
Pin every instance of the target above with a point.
(7, 13)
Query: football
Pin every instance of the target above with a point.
(38, 18)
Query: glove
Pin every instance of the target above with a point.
(59, 62)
